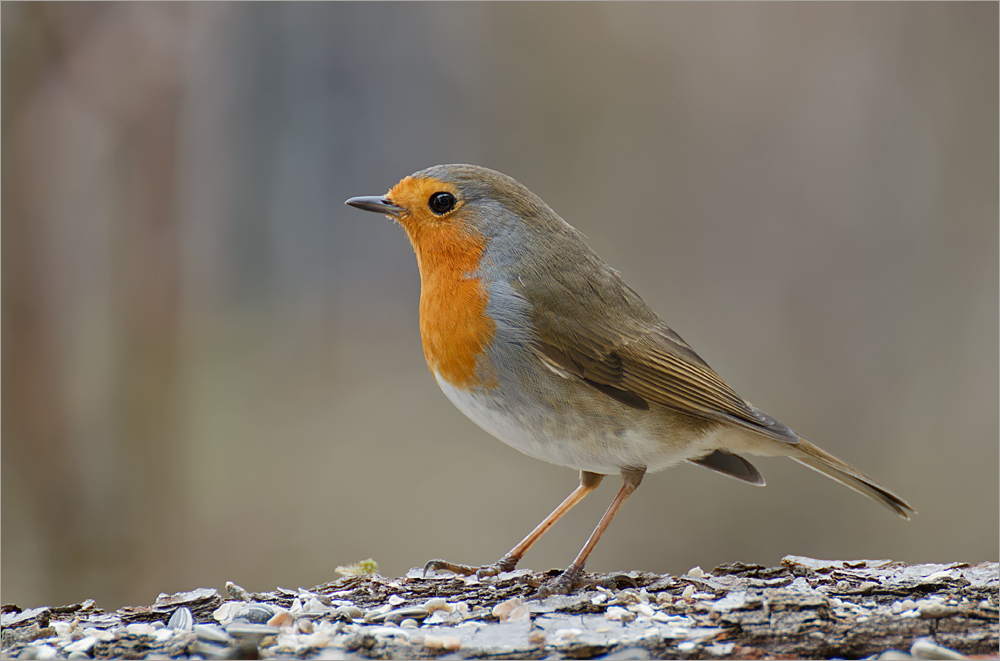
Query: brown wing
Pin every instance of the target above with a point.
(627, 352)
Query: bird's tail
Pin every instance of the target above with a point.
(822, 461)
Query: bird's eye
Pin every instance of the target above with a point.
(442, 203)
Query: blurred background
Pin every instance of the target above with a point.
(212, 368)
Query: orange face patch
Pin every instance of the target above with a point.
(454, 327)
(413, 194)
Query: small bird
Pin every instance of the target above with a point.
(532, 336)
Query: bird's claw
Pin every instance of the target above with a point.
(435, 565)
(564, 583)
(503, 564)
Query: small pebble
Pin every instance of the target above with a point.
(212, 633)
(236, 592)
(894, 655)
(83, 645)
(642, 609)
(696, 572)
(721, 649)
(536, 637)
(503, 610)
(251, 632)
(314, 605)
(46, 652)
(688, 592)
(305, 626)
(436, 604)
(437, 617)
(321, 598)
(315, 640)
(626, 597)
(409, 623)
(442, 642)
(281, 618)
(925, 648)
(201, 649)
(396, 600)
(619, 614)
(352, 612)
(937, 576)
(140, 629)
(62, 628)
(562, 636)
(377, 613)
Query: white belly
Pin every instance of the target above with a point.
(578, 436)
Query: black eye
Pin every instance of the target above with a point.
(442, 202)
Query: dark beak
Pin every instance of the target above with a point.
(376, 204)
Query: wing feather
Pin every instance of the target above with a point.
(624, 350)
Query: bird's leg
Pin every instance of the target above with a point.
(588, 482)
(571, 577)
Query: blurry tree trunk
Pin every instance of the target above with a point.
(62, 50)
(35, 413)
(148, 275)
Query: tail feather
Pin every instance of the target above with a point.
(822, 461)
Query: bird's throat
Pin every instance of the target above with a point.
(454, 327)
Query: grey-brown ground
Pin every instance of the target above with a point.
(803, 609)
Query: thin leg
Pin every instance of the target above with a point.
(588, 482)
(569, 580)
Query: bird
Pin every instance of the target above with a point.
(543, 345)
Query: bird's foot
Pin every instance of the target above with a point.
(505, 563)
(565, 583)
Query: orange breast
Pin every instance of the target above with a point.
(453, 323)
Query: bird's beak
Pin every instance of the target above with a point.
(376, 204)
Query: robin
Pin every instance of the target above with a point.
(531, 335)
